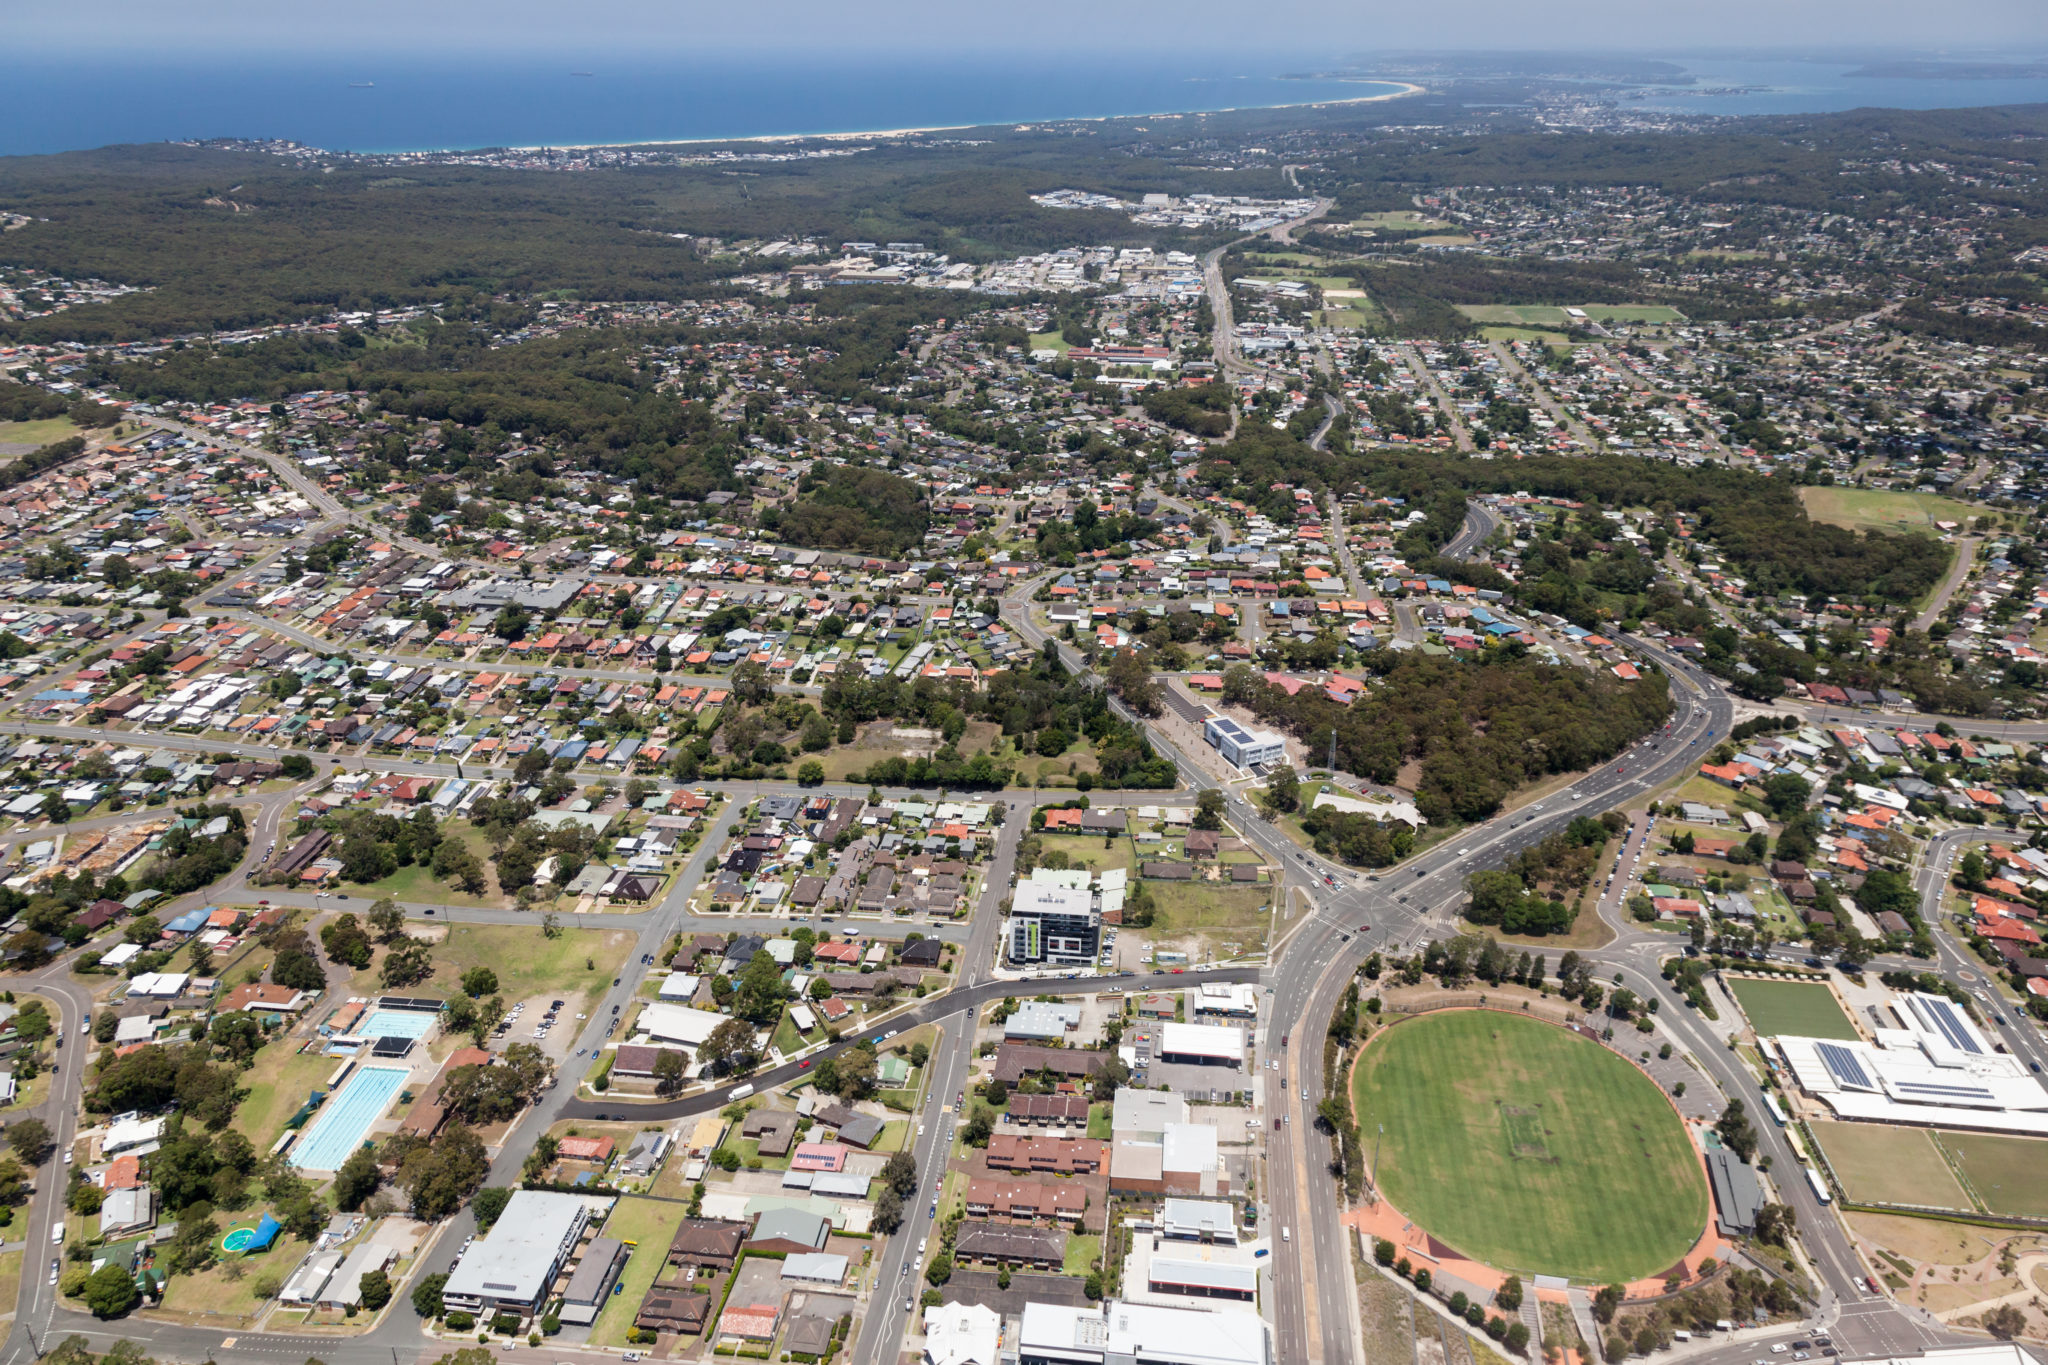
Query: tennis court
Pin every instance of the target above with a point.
(348, 1115)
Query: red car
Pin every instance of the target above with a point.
(804, 1065)
(1178, 970)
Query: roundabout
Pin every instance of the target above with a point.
(1528, 1147)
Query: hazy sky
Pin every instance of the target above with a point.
(818, 27)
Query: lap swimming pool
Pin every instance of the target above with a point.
(340, 1127)
(395, 1024)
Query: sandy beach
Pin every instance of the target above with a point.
(1406, 88)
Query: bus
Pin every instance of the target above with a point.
(1820, 1187)
(1777, 1114)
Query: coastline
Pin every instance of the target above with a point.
(1406, 88)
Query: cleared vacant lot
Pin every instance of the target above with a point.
(1530, 1148)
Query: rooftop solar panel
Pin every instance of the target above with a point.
(1972, 1092)
(1844, 1065)
(1951, 1025)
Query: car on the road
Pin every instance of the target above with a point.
(53, 1270)
(804, 1065)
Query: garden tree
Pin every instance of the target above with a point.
(479, 982)
(751, 683)
(901, 1173)
(479, 1095)
(294, 965)
(14, 1183)
(438, 1176)
(376, 1289)
(358, 1179)
(1786, 794)
(31, 1140)
(2006, 1322)
(490, 1201)
(1735, 1130)
(83, 1198)
(407, 962)
(1508, 1298)
(236, 1038)
(111, 1292)
(856, 1073)
(888, 1216)
(761, 991)
(1607, 1301)
(387, 919)
(811, 773)
(346, 941)
(1971, 869)
(1282, 791)
(1775, 1224)
(1209, 809)
(941, 1268)
(193, 1167)
(488, 1013)
(734, 1046)
(455, 863)
(978, 1128)
(426, 1296)
(1105, 1082)
(1516, 1338)
(669, 1069)
(1130, 678)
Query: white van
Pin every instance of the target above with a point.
(57, 1235)
(740, 1093)
(1286, 1235)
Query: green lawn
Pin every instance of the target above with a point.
(1099, 1116)
(1087, 850)
(529, 963)
(1529, 1148)
(1798, 1009)
(212, 1291)
(1081, 1253)
(1876, 509)
(278, 1084)
(2005, 1172)
(653, 1225)
(10, 1279)
(41, 433)
(1049, 341)
(418, 885)
(1884, 1165)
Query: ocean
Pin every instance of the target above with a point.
(393, 104)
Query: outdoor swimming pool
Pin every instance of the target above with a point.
(347, 1116)
(395, 1024)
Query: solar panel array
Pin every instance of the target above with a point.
(1949, 1092)
(1951, 1025)
(1844, 1065)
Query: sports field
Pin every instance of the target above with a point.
(1550, 315)
(1795, 1009)
(1876, 509)
(2004, 1172)
(1882, 1165)
(1528, 1147)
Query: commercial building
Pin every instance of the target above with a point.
(1935, 1068)
(1118, 1333)
(1241, 747)
(962, 1334)
(1202, 1044)
(1037, 1020)
(1198, 1220)
(1202, 1279)
(1053, 924)
(1185, 1161)
(513, 1267)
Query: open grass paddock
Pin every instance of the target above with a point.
(1528, 1147)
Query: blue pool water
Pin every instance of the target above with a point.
(348, 1115)
(395, 1024)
